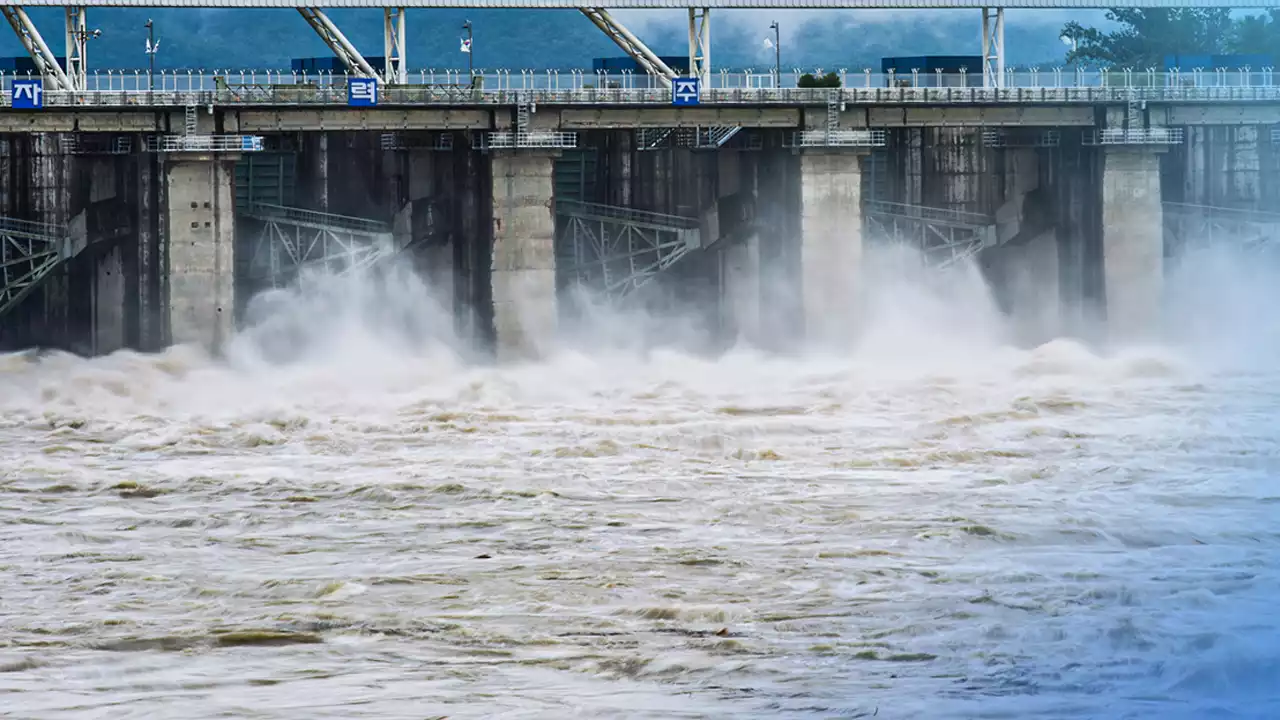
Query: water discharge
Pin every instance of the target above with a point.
(351, 516)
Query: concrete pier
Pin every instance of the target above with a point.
(1132, 244)
(830, 245)
(522, 270)
(201, 249)
(1029, 270)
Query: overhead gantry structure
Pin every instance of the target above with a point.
(71, 74)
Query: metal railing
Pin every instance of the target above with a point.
(1135, 136)
(200, 80)
(838, 138)
(33, 230)
(741, 87)
(528, 139)
(204, 143)
(630, 216)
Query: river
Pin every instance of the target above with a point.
(936, 525)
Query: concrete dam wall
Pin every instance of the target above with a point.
(748, 238)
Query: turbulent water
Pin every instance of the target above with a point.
(345, 518)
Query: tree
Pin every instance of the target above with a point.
(1257, 34)
(807, 80)
(1147, 36)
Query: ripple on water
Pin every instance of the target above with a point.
(1052, 533)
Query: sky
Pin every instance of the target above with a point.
(553, 38)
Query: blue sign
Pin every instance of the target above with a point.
(685, 91)
(27, 94)
(362, 92)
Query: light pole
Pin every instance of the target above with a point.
(152, 47)
(471, 58)
(777, 54)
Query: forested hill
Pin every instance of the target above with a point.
(564, 39)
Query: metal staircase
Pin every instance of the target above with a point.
(945, 237)
(619, 250)
(291, 240)
(29, 253)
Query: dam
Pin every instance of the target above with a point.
(142, 218)
(924, 396)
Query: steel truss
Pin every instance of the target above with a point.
(630, 44)
(293, 240)
(29, 252)
(1196, 226)
(944, 237)
(46, 64)
(619, 250)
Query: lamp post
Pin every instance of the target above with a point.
(470, 51)
(152, 47)
(777, 54)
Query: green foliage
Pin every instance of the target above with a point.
(830, 80)
(1147, 36)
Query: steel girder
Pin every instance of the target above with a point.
(292, 240)
(29, 252)
(944, 237)
(36, 47)
(338, 43)
(618, 250)
(630, 44)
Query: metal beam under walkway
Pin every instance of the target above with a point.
(619, 250)
(945, 237)
(29, 253)
(1189, 226)
(292, 240)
